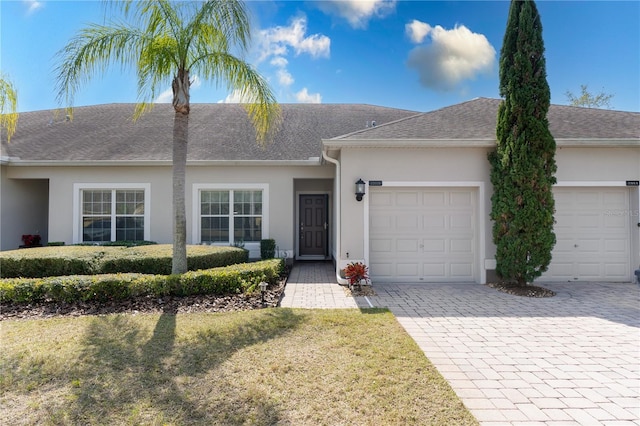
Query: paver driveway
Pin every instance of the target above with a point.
(572, 359)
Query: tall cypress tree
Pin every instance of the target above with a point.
(523, 164)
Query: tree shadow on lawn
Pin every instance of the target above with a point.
(126, 379)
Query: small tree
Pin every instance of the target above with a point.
(523, 164)
(168, 42)
(588, 100)
(8, 106)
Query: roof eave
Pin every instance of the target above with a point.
(312, 161)
(333, 144)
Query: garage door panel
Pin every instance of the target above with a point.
(434, 222)
(615, 223)
(383, 223)
(380, 199)
(407, 269)
(432, 240)
(588, 246)
(461, 222)
(613, 246)
(587, 221)
(617, 270)
(408, 199)
(407, 246)
(461, 246)
(462, 270)
(463, 199)
(407, 222)
(591, 244)
(434, 270)
(434, 246)
(381, 246)
(434, 199)
(563, 246)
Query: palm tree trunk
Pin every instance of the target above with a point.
(180, 88)
(180, 138)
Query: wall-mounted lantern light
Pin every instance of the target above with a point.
(360, 189)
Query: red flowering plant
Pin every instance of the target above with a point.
(355, 272)
(30, 240)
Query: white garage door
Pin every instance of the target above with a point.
(422, 234)
(593, 238)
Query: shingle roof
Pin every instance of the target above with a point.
(223, 131)
(216, 132)
(476, 119)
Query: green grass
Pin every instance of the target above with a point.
(264, 367)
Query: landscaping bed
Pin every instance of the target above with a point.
(148, 304)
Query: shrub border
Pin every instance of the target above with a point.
(239, 278)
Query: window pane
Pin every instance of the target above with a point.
(130, 229)
(130, 202)
(214, 203)
(247, 228)
(96, 202)
(214, 229)
(96, 229)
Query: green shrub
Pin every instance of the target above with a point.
(268, 248)
(241, 278)
(91, 260)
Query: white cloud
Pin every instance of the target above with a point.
(417, 30)
(284, 77)
(278, 40)
(33, 6)
(358, 12)
(234, 98)
(304, 96)
(276, 44)
(165, 97)
(452, 56)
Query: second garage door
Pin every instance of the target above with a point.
(593, 236)
(422, 234)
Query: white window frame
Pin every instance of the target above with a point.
(78, 188)
(252, 246)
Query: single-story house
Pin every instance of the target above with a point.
(423, 215)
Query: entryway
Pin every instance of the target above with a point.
(313, 232)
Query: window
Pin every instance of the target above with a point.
(111, 214)
(229, 216)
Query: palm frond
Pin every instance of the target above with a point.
(8, 107)
(91, 52)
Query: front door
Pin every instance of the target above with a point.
(313, 225)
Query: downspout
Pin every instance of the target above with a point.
(335, 162)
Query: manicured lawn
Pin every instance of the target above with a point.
(264, 367)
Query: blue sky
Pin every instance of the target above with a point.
(417, 55)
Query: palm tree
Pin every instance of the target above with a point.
(8, 106)
(170, 41)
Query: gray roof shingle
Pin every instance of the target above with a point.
(216, 132)
(476, 119)
(223, 131)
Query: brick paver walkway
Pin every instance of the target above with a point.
(573, 359)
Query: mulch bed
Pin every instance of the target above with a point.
(522, 290)
(149, 304)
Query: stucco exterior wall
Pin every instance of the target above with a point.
(577, 166)
(598, 164)
(280, 180)
(428, 165)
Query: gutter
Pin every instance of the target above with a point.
(335, 162)
(14, 161)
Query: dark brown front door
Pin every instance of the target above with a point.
(313, 225)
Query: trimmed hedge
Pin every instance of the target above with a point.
(267, 248)
(92, 260)
(241, 278)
